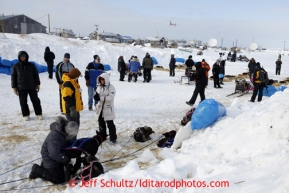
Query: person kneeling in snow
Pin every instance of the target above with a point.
(54, 166)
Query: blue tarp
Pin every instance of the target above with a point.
(281, 88)
(206, 113)
(106, 67)
(6, 66)
(181, 60)
(155, 60)
(269, 91)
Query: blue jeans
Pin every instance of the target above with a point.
(91, 91)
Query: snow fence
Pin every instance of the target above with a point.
(207, 112)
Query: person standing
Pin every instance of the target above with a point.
(71, 96)
(234, 57)
(207, 68)
(121, 68)
(201, 81)
(222, 70)
(172, 65)
(105, 113)
(216, 72)
(189, 63)
(147, 65)
(133, 68)
(92, 71)
(25, 81)
(252, 68)
(259, 78)
(63, 67)
(278, 66)
(55, 167)
(49, 59)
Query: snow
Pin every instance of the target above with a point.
(248, 147)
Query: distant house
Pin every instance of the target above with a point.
(127, 39)
(109, 37)
(20, 24)
(66, 33)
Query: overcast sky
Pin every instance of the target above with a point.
(263, 21)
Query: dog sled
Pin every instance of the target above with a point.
(242, 87)
(188, 78)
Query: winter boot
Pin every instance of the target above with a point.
(68, 169)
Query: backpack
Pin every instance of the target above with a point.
(188, 117)
(262, 77)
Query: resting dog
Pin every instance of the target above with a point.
(142, 134)
(87, 146)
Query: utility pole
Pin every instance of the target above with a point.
(95, 34)
(236, 42)
(222, 43)
(284, 45)
(48, 23)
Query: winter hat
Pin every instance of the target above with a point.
(203, 60)
(74, 73)
(67, 55)
(190, 56)
(71, 128)
(95, 57)
(258, 64)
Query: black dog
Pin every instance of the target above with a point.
(87, 146)
(142, 134)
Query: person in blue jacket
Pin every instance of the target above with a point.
(133, 67)
(92, 71)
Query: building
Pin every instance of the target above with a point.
(65, 33)
(20, 24)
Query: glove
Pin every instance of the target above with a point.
(87, 83)
(73, 112)
(96, 96)
(37, 88)
(15, 91)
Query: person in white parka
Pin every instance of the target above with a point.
(105, 114)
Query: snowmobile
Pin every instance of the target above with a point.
(243, 58)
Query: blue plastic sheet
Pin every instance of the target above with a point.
(181, 60)
(207, 113)
(107, 67)
(281, 88)
(6, 63)
(269, 91)
(155, 60)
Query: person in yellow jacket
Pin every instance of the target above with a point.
(71, 96)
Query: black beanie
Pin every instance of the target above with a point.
(95, 56)
(67, 55)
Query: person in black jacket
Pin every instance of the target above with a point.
(54, 166)
(62, 67)
(189, 63)
(252, 68)
(49, 57)
(278, 66)
(172, 65)
(216, 72)
(121, 68)
(25, 81)
(92, 71)
(201, 81)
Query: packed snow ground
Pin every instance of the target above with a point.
(247, 148)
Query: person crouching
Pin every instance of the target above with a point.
(54, 166)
